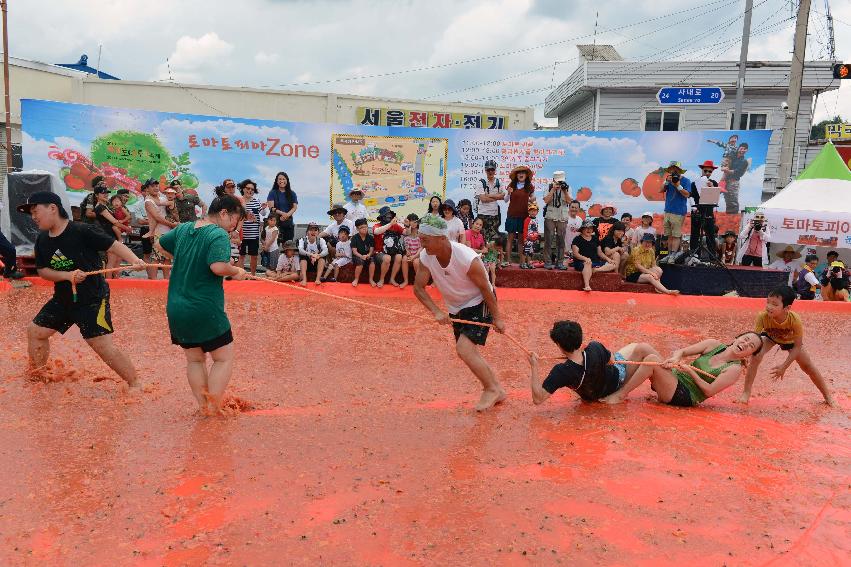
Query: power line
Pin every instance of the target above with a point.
(494, 55)
(537, 69)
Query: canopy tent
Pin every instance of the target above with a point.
(815, 209)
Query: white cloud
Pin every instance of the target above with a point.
(193, 55)
(263, 58)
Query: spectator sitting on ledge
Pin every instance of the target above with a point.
(641, 266)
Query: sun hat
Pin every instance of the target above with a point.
(708, 164)
(337, 208)
(609, 206)
(789, 248)
(558, 176)
(647, 214)
(521, 168)
(675, 167)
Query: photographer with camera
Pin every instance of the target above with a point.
(753, 238)
(556, 213)
(705, 194)
(677, 190)
(835, 282)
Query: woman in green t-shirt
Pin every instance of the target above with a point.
(196, 299)
(684, 386)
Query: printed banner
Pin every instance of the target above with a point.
(831, 230)
(400, 167)
(368, 116)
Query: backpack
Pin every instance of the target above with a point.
(394, 243)
(306, 244)
(484, 183)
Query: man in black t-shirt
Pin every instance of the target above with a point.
(593, 372)
(64, 251)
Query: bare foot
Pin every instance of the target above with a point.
(673, 292)
(303, 283)
(490, 398)
(373, 284)
(394, 284)
(586, 289)
(355, 283)
(614, 398)
(379, 285)
(318, 282)
(743, 399)
(403, 285)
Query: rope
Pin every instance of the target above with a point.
(291, 285)
(520, 345)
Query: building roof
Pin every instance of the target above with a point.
(596, 52)
(83, 66)
(645, 76)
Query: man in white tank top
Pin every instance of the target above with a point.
(462, 280)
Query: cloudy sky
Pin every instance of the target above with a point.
(507, 52)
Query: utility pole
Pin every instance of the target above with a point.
(3, 5)
(743, 63)
(793, 99)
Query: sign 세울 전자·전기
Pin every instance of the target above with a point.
(690, 95)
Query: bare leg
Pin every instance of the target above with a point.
(397, 263)
(662, 380)
(371, 272)
(252, 263)
(196, 373)
(38, 344)
(320, 265)
(492, 391)
(509, 244)
(806, 364)
(303, 264)
(241, 262)
(406, 267)
(587, 270)
(219, 375)
(385, 266)
(356, 279)
(105, 348)
(648, 279)
(635, 374)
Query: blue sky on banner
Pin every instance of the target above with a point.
(597, 160)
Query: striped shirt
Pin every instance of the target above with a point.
(251, 229)
(412, 245)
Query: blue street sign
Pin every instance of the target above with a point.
(690, 95)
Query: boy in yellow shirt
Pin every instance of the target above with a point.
(781, 326)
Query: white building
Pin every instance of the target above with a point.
(607, 93)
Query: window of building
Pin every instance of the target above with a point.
(661, 120)
(751, 121)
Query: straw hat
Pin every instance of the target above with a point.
(795, 253)
(337, 208)
(524, 168)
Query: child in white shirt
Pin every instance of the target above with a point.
(287, 269)
(344, 255)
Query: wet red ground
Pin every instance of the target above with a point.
(363, 448)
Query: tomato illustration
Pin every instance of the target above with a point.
(629, 186)
(654, 185)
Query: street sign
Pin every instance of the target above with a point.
(690, 95)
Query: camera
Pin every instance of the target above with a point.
(757, 225)
(784, 105)
(675, 177)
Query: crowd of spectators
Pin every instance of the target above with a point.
(265, 240)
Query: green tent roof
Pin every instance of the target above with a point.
(827, 165)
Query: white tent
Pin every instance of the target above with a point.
(815, 209)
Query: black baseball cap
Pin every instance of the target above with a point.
(101, 189)
(123, 191)
(43, 198)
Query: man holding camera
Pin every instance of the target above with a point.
(753, 238)
(705, 194)
(835, 282)
(676, 205)
(556, 213)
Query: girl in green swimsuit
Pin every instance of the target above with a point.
(687, 388)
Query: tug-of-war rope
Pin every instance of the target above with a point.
(292, 285)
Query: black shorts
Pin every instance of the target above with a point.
(681, 397)
(633, 277)
(312, 265)
(249, 247)
(147, 243)
(378, 257)
(783, 346)
(752, 261)
(360, 261)
(476, 333)
(225, 338)
(286, 232)
(807, 295)
(93, 319)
